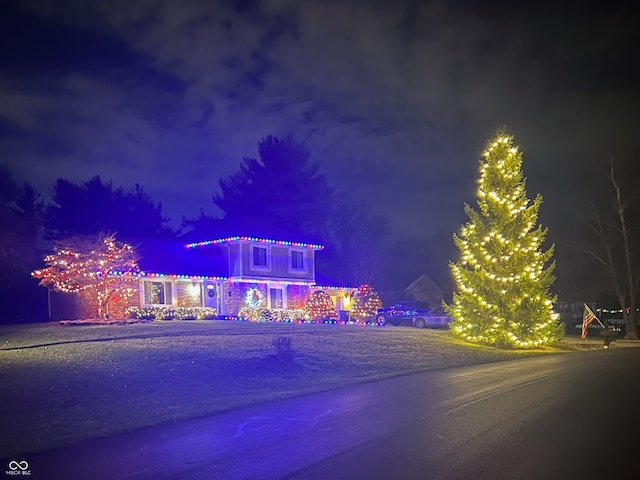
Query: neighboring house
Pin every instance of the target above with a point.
(217, 274)
(425, 290)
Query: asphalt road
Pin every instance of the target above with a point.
(561, 416)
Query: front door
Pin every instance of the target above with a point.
(212, 297)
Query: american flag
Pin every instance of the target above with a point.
(587, 317)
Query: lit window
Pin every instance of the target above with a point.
(194, 290)
(157, 293)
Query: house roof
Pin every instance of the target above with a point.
(221, 241)
(254, 227)
(425, 282)
(424, 289)
(174, 258)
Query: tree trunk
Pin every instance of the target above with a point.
(630, 323)
(632, 279)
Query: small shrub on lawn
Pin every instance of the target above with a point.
(284, 349)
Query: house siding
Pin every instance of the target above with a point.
(279, 263)
(235, 261)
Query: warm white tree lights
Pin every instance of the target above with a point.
(503, 276)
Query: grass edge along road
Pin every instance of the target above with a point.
(66, 384)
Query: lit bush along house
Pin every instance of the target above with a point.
(212, 279)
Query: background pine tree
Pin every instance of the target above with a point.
(504, 276)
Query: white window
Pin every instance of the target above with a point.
(157, 292)
(260, 257)
(297, 260)
(276, 297)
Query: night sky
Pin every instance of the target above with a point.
(396, 99)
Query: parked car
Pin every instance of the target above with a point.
(407, 313)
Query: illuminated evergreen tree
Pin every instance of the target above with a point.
(504, 276)
(99, 267)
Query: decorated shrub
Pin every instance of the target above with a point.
(170, 313)
(365, 303)
(319, 307)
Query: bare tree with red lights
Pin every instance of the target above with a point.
(99, 267)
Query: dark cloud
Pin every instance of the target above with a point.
(396, 99)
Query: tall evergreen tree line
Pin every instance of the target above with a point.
(280, 193)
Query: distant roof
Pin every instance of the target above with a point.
(424, 289)
(424, 281)
(174, 258)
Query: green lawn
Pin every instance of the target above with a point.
(64, 384)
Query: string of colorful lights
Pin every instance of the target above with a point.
(254, 240)
(103, 271)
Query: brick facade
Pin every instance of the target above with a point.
(186, 294)
(297, 296)
(237, 292)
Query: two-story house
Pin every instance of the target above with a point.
(217, 274)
